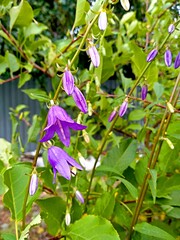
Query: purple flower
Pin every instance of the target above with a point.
(79, 196)
(144, 92)
(80, 100)
(177, 61)
(94, 55)
(171, 28)
(152, 55)
(68, 82)
(60, 122)
(112, 116)
(61, 162)
(168, 58)
(33, 184)
(102, 20)
(123, 108)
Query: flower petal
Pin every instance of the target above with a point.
(50, 131)
(63, 133)
(94, 55)
(80, 100)
(68, 82)
(76, 126)
(61, 114)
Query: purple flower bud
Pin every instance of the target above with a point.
(152, 55)
(102, 20)
(123, 108)
(171, 28)
(94, 55)
(177, 61)
(79, 196)
(33, 184)
(112, 116)
(80, 100)
(144, 92)
(168, 58)
(68, 82)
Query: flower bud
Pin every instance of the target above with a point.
(112, 116)
(94, 55)
(33, 184)
(79, 100)
(79, 196)
(67, 219)
(171, 28)
(168, 58)
(170, 107)
(144, 92)
(86, 136)
(177, 61)
(68, 82)
(125, 4)
(102, 20)
(123, 108)
(152, 55)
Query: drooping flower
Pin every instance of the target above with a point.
(112, 115)
(123, 108)
(177, 61)
(125, 4)
(152, 55)
(79, 100)
(102, 20)
(144, 92)
(168, 58)
(33, 184)
(79, 196)
(171, 28)
(68, 82)
(60, 122)
(94, 55)
(61, 162)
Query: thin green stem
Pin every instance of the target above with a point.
(154, 155)
(16, 230)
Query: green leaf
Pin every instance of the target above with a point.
(105, 205)
(92, 227)
(5, 151)
(24, 77)
(150, 230)
(21, 15)
(158, 89)
(136, 115)
(53, 212)
(34, 28)
(37, 94)
(8, 236)
(33, 131)
(16, 179)
(3, 64)
(25, 232)
(82, 8)
(12, 62)
(153, 183)
(132, 190)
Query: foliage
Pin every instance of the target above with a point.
(129, 187)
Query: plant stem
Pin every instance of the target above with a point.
(16, 230)
(154, 156)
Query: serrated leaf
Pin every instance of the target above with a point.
(105, 205)
(53, 212)
(25, 232)
(33, 131)
(150, 230)
(16, 179)
(21, 15)
(82, 8)
(37, 94)
(92, 227)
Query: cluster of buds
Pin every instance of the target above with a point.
(167, 55)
